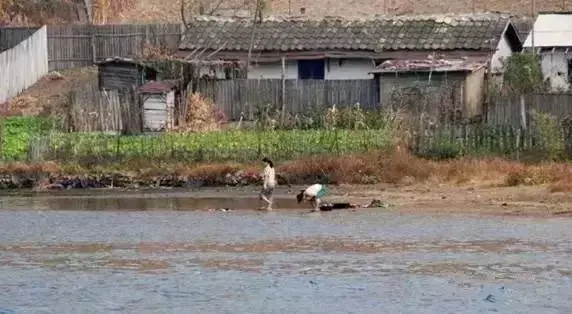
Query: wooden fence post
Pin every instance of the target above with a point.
(93, 50)
(523, 112)
(283, 99)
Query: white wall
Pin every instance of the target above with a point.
(555, 67)
(503, 52)
(273, 70)
(349, 69)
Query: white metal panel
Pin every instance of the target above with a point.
(155, 113)
(170, 102)
(555, 68)
(551, 30)
(23, 65)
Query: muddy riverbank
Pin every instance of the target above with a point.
(425, 198)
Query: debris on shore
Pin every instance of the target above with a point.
(375, 203)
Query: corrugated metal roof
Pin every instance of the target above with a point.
(426, 65)
(551, 30)
(154, 87)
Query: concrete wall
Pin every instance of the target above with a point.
(503, 51)
(349, 69)
(555, 69)
(273, 70)
(335, 69)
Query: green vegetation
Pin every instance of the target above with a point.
(523, 74)
(340, 131)
(17, 133)
(242, 146)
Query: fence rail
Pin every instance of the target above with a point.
(81, 45)
(509, 110)
(23, 65)
(73, 45)
(246, 95)
(11, 36)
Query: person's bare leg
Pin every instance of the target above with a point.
(270, 202)
(314, 203)
(266, 200)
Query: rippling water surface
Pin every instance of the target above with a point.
(368, 261)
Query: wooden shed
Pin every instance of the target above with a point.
(121, 73)
(159, 100)
(434, 85)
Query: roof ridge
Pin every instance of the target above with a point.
(376, 17)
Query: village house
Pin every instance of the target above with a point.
(338, 48)
(553, 42)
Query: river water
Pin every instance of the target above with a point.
(88, 254)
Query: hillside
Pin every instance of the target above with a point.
(160, 10)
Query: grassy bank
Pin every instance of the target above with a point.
(374, 167)
(354, 156)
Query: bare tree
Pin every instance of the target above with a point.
(190, 8)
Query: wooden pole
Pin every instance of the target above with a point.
(532, 31)
(93, 51)
(283, 100)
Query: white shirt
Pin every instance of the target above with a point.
(313, 190)
(269, 177)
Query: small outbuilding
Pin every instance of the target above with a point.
(434, 86)
(121, 73)
(159, 102)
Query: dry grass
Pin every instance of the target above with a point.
(50, 95)
(202, 116)
(48, 167)
(376, 167)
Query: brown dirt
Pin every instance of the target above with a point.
(50, 95)
(488, 199)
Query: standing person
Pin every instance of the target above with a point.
(312, 194)
(269, 183)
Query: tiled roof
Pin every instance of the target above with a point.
(420, 32)
(426, 65)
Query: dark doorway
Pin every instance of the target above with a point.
(311, 69)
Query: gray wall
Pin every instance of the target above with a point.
(119, 76)
(417, 92)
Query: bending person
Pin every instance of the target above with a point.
(312, 194)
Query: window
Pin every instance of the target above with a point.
(311, 69)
